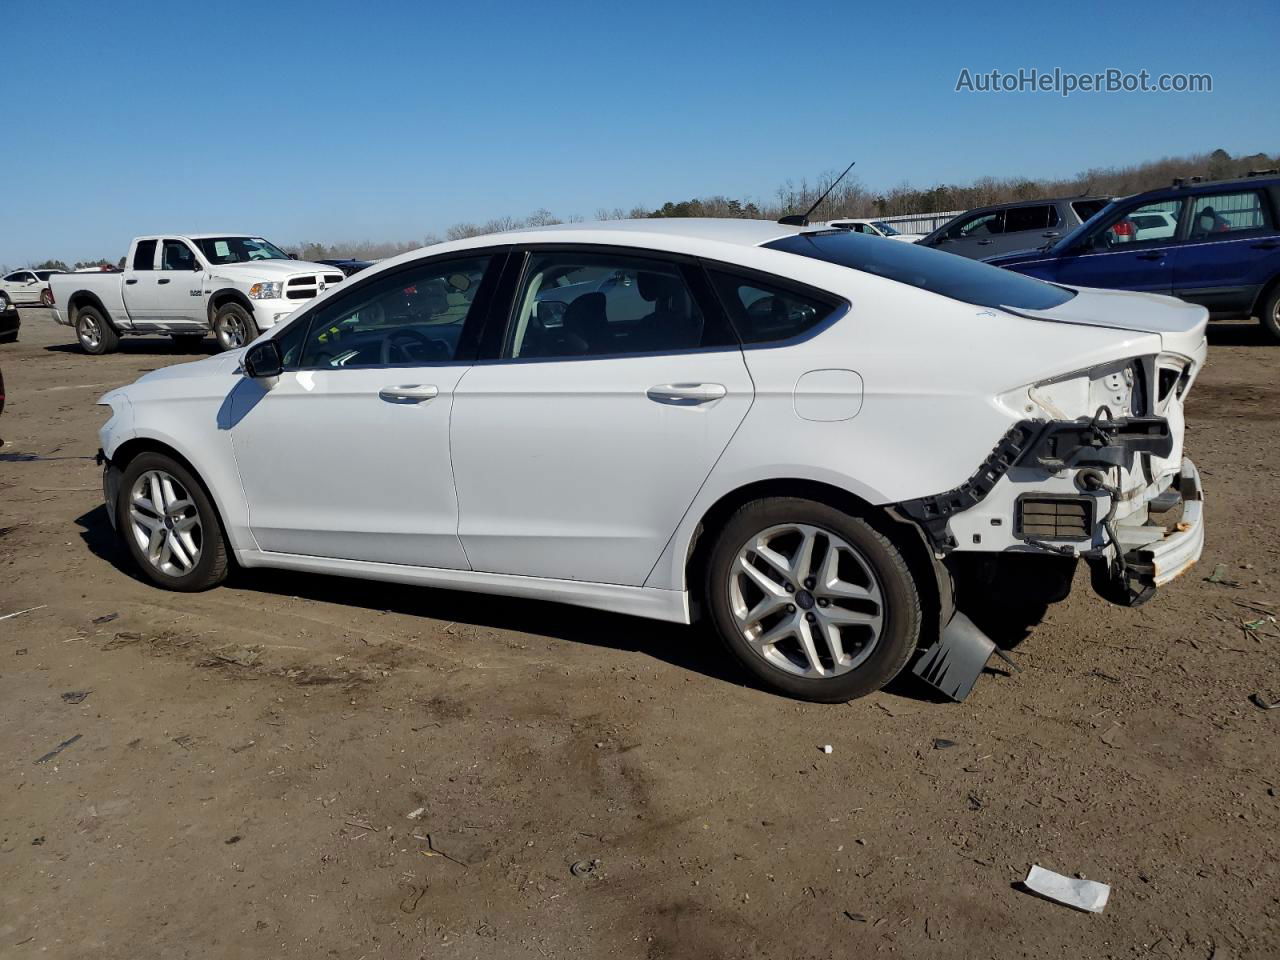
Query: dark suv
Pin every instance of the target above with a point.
(1216, 244)
(1005, 227)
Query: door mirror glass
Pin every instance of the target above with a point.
(263, 360)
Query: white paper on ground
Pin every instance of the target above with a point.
(1081, 894)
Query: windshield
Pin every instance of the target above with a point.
(239, 249)
(884, 228)
(943, 273)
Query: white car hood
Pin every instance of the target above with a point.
(269, 269)
(1181, 325)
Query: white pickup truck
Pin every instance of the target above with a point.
(236, 285)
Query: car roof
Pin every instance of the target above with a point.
(748, 233)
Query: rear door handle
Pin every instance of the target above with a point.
(984, 243)
(1154, 255)
(163, 280)
(132, 280)
(409, 393)
(686, 394)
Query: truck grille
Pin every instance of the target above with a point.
(1055, 518)
(304, 288)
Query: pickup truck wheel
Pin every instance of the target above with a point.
(1270, 314)
(95, 334)
(169, 524)
(46, 298)
(814, 602)
(233, 326)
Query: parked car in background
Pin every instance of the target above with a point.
(764, 444)
(236, 285)
(1005, 227)
(349, 265)
(10, 323)
(875, 228)
(1215, 244)
(26, 287)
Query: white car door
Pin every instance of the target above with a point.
(142, 289)
(179, 286)
(23, 287)
(579, 448)
(346, 456)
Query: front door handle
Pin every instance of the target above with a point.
(686, 394)
(409, 393)
(163, 280)
(984, 243)
(132, 280)
(1154, 255)
(1266, 245)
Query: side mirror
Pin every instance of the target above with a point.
(263, 360)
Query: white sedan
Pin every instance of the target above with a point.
(26, 287)
(876, 228)
(808, 436)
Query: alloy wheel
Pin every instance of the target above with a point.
(165, 522)
(806, 600)
(232, 332)
(90, 332)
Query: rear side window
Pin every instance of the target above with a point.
(762, 312)
(1227, 213)
(1039, 217)
(144, 257)
(1087, 208)
(934, 270)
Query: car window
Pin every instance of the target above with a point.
(937, 271)
(408, 318)
(23, 277)
(591, 305)
(1087, 208)
(762, 312)
(1040, 217)
(176, 255)
(1227, 213)
(979, 225)
(1150, 224)
(145, 255)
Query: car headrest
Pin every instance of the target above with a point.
(657, 286)
(586, 315)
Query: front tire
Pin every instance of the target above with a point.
(169, 525)
(46, 298)
(5, 302)
(95, 334)
(1270, 314)
(814, 602)
(234, 327)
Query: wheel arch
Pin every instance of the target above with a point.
(86, 298)
(220, 298)
(1264, 293)
(932, 579)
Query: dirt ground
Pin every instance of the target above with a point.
(241, 778)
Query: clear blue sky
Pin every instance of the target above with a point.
(389, 120)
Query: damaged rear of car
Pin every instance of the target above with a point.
(1090, 465)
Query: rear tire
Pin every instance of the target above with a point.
(842, 627)
(234, 327)
(95, 333)
(1270, 314)
(169, 525)
(5, 302)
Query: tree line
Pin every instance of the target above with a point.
(850, 198)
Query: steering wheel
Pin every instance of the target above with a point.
(433, 347)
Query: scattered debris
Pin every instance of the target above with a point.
(357, 823)
(76, 696)
(432, 851)
(1087, 895)
(230, 840)
(1217, 577)
(941, 744)
(38, 841)
(826, 748)
(18, 613)
(855, 917)
(415, 814)
(183, 740)
(585, 868)
(1105, 676)
(1258, 701)
(241, 656)
(243, 747)
(411, 901)
(106, 618)
(1110, 737)
(20, 652)
(59, 748)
